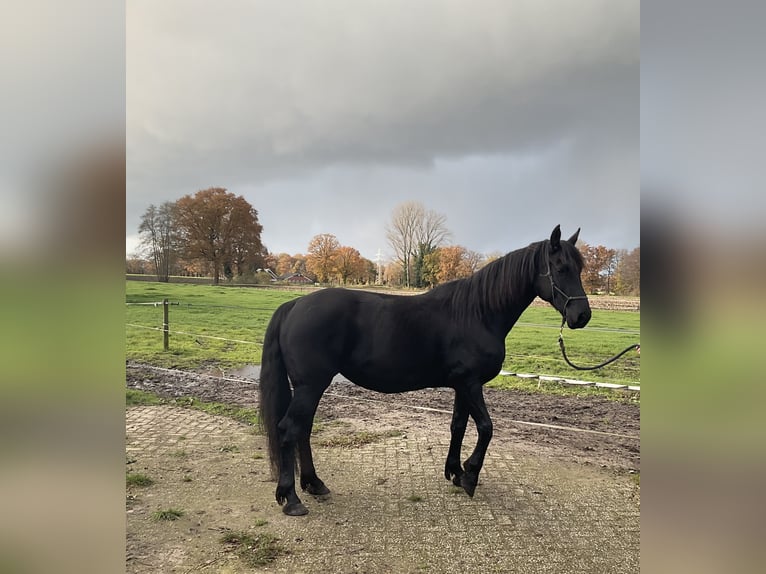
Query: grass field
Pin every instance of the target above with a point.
(240, 316)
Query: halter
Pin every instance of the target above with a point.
(555, 288)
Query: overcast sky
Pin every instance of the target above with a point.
(508, 117)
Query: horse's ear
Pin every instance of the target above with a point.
(573, 239)
(556, 238)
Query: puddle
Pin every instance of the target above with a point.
(250, 372)
(246, 372)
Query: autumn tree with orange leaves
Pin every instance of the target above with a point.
(321, 257)
(284, 263)
(349, 264)
(452, 262)
(611, 270)
(221, 229)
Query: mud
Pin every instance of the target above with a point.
(613, 442)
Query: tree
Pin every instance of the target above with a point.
(432, 231)
(322, 256)
(430, 268)
(221, 229)
(600, 263)
(402, 233)
(283, 264)
(455, 262)
(628, 274)
(299, 264)
(137, 266)
(247, 252)
(393, 274)
(159, 237)
(423, 266)
(414, 233)
(612, 261)
(349, 264)
(369, 271)
(473, 261)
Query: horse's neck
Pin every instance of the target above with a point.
(514, 309)
(521, 294)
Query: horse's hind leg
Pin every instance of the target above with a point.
(285, 493)
(310, 482)
(293, 428)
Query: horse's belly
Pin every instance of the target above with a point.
(391, 382)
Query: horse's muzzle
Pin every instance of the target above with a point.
(577, 320)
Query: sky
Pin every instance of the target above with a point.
(508, 117)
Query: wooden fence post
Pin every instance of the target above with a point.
(165, 325)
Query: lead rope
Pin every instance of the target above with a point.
(635, 346)
(555, 288)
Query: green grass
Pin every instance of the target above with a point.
(243, 313)
(415, 498)
(532, 345)
(136, 479)
(168, 514)
(134, 397)
(236, 313)
(254, 550)
(357, 439)
(554, 388)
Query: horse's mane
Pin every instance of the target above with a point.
(492, 288)
(500, 284)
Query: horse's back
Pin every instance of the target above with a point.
(373, 339)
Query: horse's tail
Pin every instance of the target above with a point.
(275, 393)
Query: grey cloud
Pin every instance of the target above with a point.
(270, 95)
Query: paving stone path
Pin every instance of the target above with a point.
(391, 510)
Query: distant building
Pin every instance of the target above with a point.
(296, 279)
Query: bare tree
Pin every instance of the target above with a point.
(159, 237)
(628, 274)
(474, 260)
(432, 230)
(402, 233)
(413, 234)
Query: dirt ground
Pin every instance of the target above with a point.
(549, 499)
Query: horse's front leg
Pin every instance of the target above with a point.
(452, 469)
(478, 410)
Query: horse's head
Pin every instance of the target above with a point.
(558, 280)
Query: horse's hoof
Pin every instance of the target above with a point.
(468, 485)
(296, 509)
(317, 489)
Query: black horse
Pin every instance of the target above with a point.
(452, 336)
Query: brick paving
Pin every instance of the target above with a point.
(391, 509)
